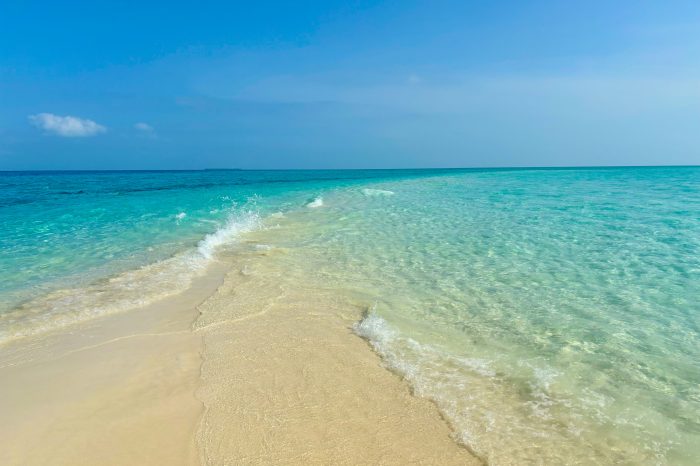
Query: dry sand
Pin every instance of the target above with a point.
(118, 390)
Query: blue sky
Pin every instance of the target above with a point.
(143, 85)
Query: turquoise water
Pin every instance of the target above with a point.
(552, 315)
(78, 244)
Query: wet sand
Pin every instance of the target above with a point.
(285, 381)
(116, 390)
(266, 370)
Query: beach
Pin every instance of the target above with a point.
(365, 317)
(350, 233)
(233, 371)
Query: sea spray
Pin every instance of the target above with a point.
(315, 203)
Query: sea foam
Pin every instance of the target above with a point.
(234, 226)
(467, 391)
(370, 192)
(127, 290)
(315, 203)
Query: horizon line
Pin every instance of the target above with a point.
(514, 167)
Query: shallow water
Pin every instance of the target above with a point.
(553, 315)
(74, 245)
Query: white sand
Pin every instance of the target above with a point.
(268, 373)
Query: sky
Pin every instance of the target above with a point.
(354, 84)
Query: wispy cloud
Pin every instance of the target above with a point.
(145, 127)
(66, 126)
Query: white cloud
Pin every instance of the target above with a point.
(145, 127)
(66, 126)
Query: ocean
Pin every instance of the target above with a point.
(552, 315)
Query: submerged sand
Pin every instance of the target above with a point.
(265, 370)
(285, 381)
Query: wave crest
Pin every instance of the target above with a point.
(315, 203)
(123, 291)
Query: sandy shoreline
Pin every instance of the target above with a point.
(115, 390)
(262, 371)
(302, 388)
